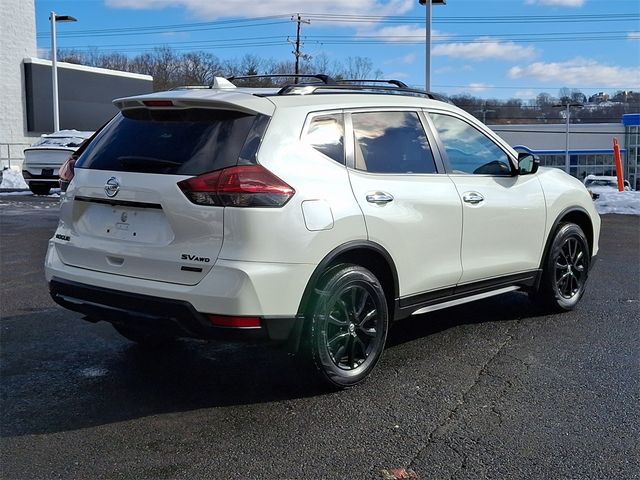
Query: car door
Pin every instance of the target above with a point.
(504, 214)
(411, 208)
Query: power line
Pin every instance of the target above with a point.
(261, 21)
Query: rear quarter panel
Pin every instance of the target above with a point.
(283, 234)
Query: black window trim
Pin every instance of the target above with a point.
(442, 151)
(349, 146)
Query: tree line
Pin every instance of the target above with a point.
(171, 69)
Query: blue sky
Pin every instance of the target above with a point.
(488, 48)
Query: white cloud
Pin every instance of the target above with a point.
(557, 3)
(212, 9)
(633, 36)
(484, 48)
(580, 72)
(478, 87)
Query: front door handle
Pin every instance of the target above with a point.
(473, 198)
(379, 198)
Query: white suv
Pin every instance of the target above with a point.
(313, 215)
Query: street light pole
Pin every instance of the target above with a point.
(54, 73)
(54, 65)
(427, 39)
(567, 158)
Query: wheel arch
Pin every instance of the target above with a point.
(577, 215)
(365, 253)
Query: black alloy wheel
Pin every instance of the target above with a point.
(565, 269)
(571, 267)
(349, 323)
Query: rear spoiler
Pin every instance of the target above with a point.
(217, 99)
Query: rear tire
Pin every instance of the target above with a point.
(39, 189)
(348, 323)
(565, 270)
(143, 338)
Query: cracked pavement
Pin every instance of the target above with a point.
(493, 389)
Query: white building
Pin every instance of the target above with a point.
(17, 41)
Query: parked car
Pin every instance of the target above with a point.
(43, 159)
(598, 184)
(314, 216)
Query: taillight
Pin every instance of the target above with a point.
(67, 172)
(241, 186)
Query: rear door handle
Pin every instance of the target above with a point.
(379, 198)
(473, 198)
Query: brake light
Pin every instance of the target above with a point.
(234, 322)
(241, 186)
(158, 103)
(67, 170)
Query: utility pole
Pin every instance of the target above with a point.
(484, 112)
(299, 20)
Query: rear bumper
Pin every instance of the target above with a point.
(160, 315)
(39, 179)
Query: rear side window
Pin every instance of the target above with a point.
(180, 142)
(391, 142)
(326, 134)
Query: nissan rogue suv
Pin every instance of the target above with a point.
(312, 215)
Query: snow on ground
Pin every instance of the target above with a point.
(12, 179)
(625, 203)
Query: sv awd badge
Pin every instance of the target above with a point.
(195, 258)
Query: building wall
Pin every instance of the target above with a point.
(86, 94)
(590, 146)
(632, 144)
(17, 41)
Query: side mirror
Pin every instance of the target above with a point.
(527, 164)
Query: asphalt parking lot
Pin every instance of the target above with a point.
(493, 389)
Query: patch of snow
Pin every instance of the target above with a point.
(23, 193)
(624, 203)
(12, 179)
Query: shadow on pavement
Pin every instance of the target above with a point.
(60, 373)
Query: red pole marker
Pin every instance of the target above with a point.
(618, 159)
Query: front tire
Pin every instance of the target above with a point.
(565, 269)
(349, 320)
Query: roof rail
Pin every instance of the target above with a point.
(309, 89)
(397, 83)
(325, 79)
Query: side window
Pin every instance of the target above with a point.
(468, 149)
(326, 134)
(391, 142)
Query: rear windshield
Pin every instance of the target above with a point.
(180, 142)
